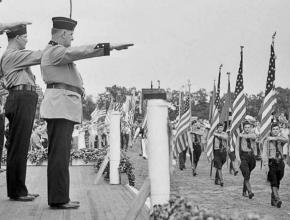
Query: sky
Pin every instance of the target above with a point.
(175, 41)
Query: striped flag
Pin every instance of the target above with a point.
(239, 105)
(214, 120)
(181, 137)
(270, 96)
(226, 114)
(212, 99)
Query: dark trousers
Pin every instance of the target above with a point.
(59, 144)
(2, 131)
(276, 172)
(124, 141)
(20, 109)
(182, 159)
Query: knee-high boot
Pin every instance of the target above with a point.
(277, 202)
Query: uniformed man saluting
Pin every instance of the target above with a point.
(219, 152)
(273, 161)
(62, 103)
(246, 149)
(20, 108)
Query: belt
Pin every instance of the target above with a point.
(24, 87)
(64, 86)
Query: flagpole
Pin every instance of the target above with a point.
(189, 148)
(70, 9)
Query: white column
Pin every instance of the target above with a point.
(115, 144)
(158, 151)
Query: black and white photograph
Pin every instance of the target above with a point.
(156, 109)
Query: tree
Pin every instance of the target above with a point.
(254, 103)
(200, 104)
(88, 107)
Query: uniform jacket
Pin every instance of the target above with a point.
(269, 149)
(15, 66)
(57, 66)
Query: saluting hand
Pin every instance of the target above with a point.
(120, 46)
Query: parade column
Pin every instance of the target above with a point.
(115, 144)
(158, 151)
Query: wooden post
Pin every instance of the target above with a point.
(102, 168)
(115, 145)
(158, 151)
(138, 203)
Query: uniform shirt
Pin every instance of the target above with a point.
(269, 149)
(62, 58)
(220, 144)
(15, 66)
(57, 67)
(242, 144)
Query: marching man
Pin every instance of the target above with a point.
(219, 152)
(273, 160)
(246, 149)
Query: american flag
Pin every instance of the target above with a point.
(181, 137)
(270, 96)
(214, 120)
(226, 113)
(239, 105)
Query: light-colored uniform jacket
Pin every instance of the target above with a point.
(57, 67)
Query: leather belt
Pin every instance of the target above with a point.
(24, 87)
(64, 86)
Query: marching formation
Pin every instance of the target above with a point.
(235, 136)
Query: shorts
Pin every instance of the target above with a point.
(220, 157)
(248, 163)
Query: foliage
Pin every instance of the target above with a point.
(254, 103)
(88, 107)
(179, 208)
(124, 167)
(37, 156)
(87, 154)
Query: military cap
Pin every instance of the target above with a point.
(64, 23)
(17, 31)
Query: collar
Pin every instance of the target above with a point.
(53, 43)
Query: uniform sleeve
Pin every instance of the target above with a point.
(61, 55)
(23, 58)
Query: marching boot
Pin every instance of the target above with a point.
(221, 177)
(245, 194)
(277, 202)
(249, 188)
(194, 169)
(216, 182)
(272, 199)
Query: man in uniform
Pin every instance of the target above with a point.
(273, 161)
(219, 152)
(20, 108)
(4, 27)
(246, 149)
(62, 103)
(196, 135)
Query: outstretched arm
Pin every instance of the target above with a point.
(64, 55)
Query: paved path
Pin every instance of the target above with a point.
(226, 200)
(102, 201)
